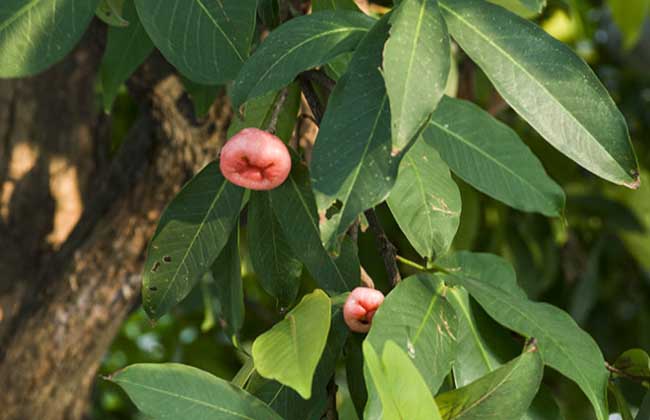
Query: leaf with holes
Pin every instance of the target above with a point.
(171, 391)
(546, 83)
(416, 67)
(351, 162)
(191, 233)
(34, 34)
(208, 41)
(300, 44)
(289, 352)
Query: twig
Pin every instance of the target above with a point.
(331, 413)
(312, 98)
(640, 379)
(277, 108)
(386, 248)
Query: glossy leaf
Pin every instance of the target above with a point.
(420, 321)
(351, 161)
(191, 233)
(171, 391)
(295, 208)
(287, 402)
(505, 393)
(126, 49)
(228, 286)
(491, 157)
(548, 85)
(400, 386)
(634, 362)
(300, 44)
(629, 16)
(425, 201)
(562, 344)
(207, 41)
(416, 66)
(289, 352)
(34, 34)
(544, 407)
(277, 269)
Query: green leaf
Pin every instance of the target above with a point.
(111, 12)
(548, 85)
(289, 352)
(257, 113)
(644, 410)
(505, 393)
(634, 362)
(629, 16)
(352, 167)
(354, 372)
(416, 67)
(622, 407)
(525, 8)
(228, 286)
(319, 5)
(126, 49)
(277, 268)
(422, 323)
(426, 201)
(34, 34)
(295, 209)
(207, 41)
(300, 44)
(544, 407)
(202, 96)
(562, 344)
(268, 11)
(399, 384)
(191, 233)
(285, 401)
(171, 391)
(491, 157)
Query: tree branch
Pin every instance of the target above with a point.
(277, 108)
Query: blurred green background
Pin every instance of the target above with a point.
(595, 263)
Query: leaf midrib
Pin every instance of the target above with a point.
(218, 26)
(25, 9)
(528, 74)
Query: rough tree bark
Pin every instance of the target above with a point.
(74, 223)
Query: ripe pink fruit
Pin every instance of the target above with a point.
(360, 308)
(255, 159)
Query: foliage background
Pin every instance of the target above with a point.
(596, 264)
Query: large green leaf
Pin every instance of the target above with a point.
(289, 352)
(208, 41)
(491, 157)
(228, 286)
(275, 264)
(562, 344)
(34, 34)
(126, 49)
(399, 385)
(548, 85)
(416, 66)
(295, 209)
(351, 161)
(634, 362)
(525, 8)
(354, 372)
(629, 16)
(287, 402)
(505, 393)
(318, 5)
(300, 44)
(426, 201)
(172, 391)
(190, 235)
(421, 322)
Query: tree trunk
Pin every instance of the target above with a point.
(74, 223)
